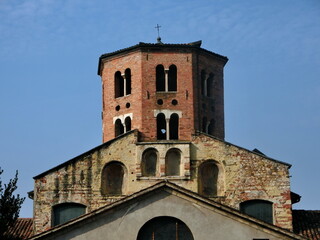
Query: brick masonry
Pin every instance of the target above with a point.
(143, 98)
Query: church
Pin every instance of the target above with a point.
(164, 169)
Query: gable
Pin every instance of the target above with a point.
(124, 219)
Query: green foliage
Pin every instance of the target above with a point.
(9, 205)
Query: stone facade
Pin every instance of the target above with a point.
(243, 175)
(197, 158)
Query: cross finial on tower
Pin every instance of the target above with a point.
(159, 38)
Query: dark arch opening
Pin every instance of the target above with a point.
(203, 82)
(164, 228)
(149, 162)
(118, 85)
(211, 127)
(208, 179)
(173, 157)
(160, 78)
(118, 128)
(204, 124)
(112, 178)
(161, 126)
(260, 209)
(66, 211)
(172, 78)
(210, 85)
(127, 122)
(128, 80)
(174, 126)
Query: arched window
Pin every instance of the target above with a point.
(128, 81)
(172, 78)
(118, 128)
(127, 122)
(149, 162)
(208, 179)
(210, 85)
(211, 127)
(165, 228)
(174, 126)
(203, 83)
(204, 124)
(67, 211)
(173, 157)
(112, 178)
(160, 78)
(259, 209)
(118, 85)
(161, 127)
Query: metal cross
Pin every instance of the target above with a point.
(158, 27)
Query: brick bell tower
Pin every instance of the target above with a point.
(166, 91)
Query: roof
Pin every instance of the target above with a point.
(158, 46)
(22, 229)
(173, 189)
(307, 223)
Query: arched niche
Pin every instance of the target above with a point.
(149, 162)
(172, 162)
(113, 178)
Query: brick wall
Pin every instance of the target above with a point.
(143, 99)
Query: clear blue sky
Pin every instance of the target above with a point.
(50, 93)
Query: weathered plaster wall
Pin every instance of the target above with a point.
(125, 221)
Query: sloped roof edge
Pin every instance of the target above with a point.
(251, 151)
(143, 45)
(85, 153)
(171, 187)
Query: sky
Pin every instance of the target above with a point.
(50, 93)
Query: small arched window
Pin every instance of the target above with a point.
(204, 124)
(172, 78)
(203, 82)
(127, 122)
(160, 78)
(118, 128)
(128, 81)
(149, 162)
(165, 228)
(174, 126)
(210, 85)
(208, 179)
(112, 178)
(161, 127)
(118, 85)
(259, 209)
(173, 159)
(67, 211)
(211, 127)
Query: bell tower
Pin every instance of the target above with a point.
(166, 91)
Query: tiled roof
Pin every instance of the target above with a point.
(307, 223)
(22, 229)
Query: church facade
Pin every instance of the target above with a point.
(164, 160)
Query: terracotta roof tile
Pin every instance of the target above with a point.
(307, 223)
(22, 229)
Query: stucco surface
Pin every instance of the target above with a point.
(125, 221)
